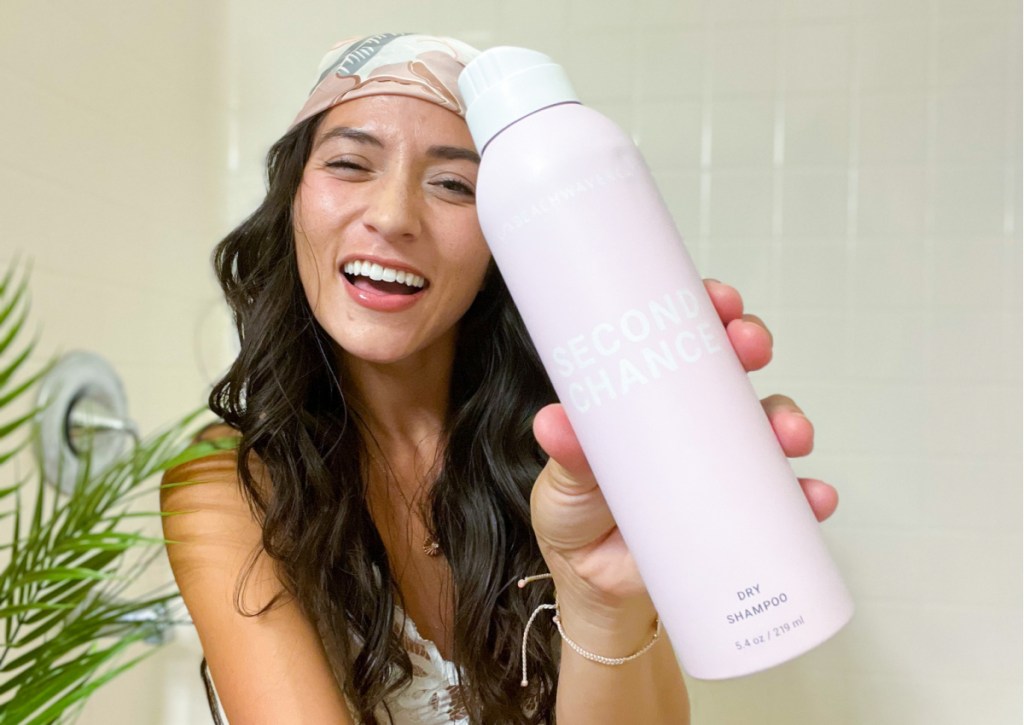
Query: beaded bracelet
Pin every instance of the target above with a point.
(557, 619)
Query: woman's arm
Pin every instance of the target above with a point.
(649, 689)
(270, 668)
(604, 605)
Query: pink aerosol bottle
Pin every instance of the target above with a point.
(700, 488)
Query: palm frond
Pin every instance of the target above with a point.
(67, 624)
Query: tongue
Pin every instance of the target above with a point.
(382, 287)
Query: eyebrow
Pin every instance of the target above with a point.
(447, 153)
(454, 153)
(351, 133)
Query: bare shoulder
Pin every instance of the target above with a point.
(270, 667)
(203, 506)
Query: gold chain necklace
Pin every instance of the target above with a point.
(431, 546)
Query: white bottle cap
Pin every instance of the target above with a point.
(505, 84)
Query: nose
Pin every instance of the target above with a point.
(393, 209)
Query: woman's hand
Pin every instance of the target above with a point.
(577, 534)
(752, 342)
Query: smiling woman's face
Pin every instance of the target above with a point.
(389, 249)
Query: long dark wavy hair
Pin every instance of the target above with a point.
(286, 395)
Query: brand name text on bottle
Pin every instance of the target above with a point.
(563, 195)
(640, 346)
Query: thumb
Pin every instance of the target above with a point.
(569, 469)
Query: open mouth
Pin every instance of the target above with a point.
(373, 277)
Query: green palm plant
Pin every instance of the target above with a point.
(68, 619)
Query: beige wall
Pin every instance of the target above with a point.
(853, 166)
(112, 182)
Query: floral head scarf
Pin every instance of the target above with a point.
(421, 66)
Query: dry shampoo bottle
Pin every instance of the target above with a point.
(700, 488)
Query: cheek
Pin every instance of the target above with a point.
(309, 268)
(473, 253)
(471, 270)
(482, 265)
(312, 258)
(312, 211)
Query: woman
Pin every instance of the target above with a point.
(401, 463)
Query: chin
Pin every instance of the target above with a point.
(378, 358)
(375, 354)
(380, 345)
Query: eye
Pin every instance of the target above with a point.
(455, 185)
(345, 164)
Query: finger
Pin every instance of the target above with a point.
(727, 300)
(752, 341)
(567, 507)
(822, 497)
(792, 428)
(555, 435)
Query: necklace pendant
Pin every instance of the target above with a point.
(431, 547)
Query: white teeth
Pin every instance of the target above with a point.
(377, 272)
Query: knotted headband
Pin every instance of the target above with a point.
(404, 64)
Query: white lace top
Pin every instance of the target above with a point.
(433, 696)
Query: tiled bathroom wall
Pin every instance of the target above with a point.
(852, 166)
